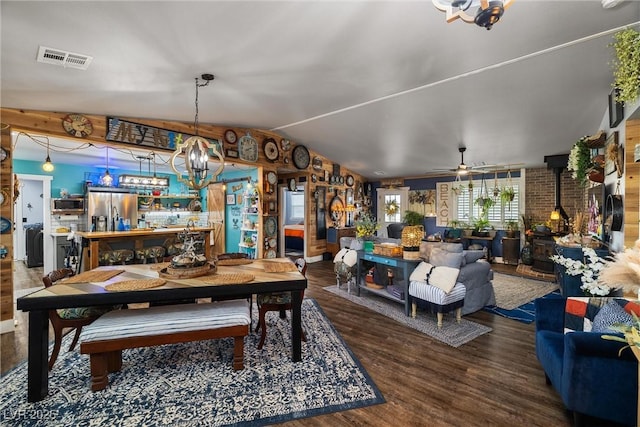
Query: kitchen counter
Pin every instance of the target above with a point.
(91, 240)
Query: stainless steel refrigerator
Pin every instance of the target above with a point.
(112, 204)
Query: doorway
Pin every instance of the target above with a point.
(293, 221)
(392, 203)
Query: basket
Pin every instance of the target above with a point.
(411, 255)
(387, 249)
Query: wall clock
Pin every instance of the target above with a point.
(271, 149)
(3, 154)
(272, 180)
(77, 125)
(270, 226)
(285, 144)
(301, 157)
(350, 180)
(292, 184)
(230, 136)
(317, 163)
(248, 148)
(5, 225)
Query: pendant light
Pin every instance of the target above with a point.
(47, 166)
(107, 179)
(196, 151)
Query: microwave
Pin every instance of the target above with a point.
(67, 206)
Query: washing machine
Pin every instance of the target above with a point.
(34, 245)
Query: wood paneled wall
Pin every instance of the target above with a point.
(631, 184)
(6, 238)
(50, 123)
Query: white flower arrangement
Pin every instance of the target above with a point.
(589, 268)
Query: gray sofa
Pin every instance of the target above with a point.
(475, 273)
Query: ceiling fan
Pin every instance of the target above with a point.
(462, 168)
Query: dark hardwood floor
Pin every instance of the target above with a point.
(495, 380)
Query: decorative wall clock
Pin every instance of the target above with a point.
(350, 180)
(77, 125)
(271, 149)
(248, 148)
(270, 226)
(3, 154)
(230, 136)
(271, 180)
(317, 163)
(292, 184)
(301, 157)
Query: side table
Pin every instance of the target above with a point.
(405, 265)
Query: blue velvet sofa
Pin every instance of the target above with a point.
(586, 370)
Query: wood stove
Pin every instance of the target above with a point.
(543, 247)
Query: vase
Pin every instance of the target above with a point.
(368, 246)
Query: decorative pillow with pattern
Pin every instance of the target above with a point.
(629, 306)
(610, 314)
(580, 312)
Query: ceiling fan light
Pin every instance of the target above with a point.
(490, 15)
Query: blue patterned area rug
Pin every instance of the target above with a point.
(526, 313)
(193, 384)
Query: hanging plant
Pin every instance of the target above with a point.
(580, 161)
(626, 65)
(391, 207)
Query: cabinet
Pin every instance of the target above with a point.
(510, 250)
(249, 228)
(333, 238)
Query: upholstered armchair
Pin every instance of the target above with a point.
(587, 371)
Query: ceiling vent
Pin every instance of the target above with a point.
(63, 58)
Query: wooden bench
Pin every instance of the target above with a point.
(117, 330)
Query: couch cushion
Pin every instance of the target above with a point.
(580, 312)
(611, 313)
(472, 256)
(440, 257)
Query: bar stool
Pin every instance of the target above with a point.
(152, 252)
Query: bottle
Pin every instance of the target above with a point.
(120, 225)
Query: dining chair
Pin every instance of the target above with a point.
(277, 301)
(69, 318)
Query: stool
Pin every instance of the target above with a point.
(437, 300)
(117, 256)
(152, 252)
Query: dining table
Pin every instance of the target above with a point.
(81, 293)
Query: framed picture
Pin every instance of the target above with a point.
(616, 109)
(611, 153)
(231, 199)
(232, 153)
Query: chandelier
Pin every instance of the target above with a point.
(483, 13)
(196, 151)
(144, 181)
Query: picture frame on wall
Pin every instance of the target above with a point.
(231, 199)
(611, 154)
(232, 153)
(239, 199)
(616, 109)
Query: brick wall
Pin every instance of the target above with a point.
(540, 199)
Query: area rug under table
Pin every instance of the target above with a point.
(193, 384)
(452, 333)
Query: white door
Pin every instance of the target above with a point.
(390, 199)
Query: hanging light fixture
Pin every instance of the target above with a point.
(107, 179)
(196, 151)
(483, 13)
(47, 166)
(144, 181)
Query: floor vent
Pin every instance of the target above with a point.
(63, 58)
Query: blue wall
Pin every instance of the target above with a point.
(430, 223)
(233, 213)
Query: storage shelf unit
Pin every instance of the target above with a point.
(249, 230)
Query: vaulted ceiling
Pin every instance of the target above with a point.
(377, 86)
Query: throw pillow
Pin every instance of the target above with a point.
(629, 306)
(341, 253)
(610, 314)
(444, 278)
(419, 274)
(441, 258)
(472, 256)
(580, 312)
(426, 248)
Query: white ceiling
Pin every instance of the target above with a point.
(374, 85)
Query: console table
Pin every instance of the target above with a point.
(405, 265)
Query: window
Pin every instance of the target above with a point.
(297, 206)
(467, 210)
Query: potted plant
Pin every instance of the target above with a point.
(512, 227)
(626, 72)
(580, 161)
(482, 227)
(485, 202)
(366, 226)
(507, 194)
(413, 218)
